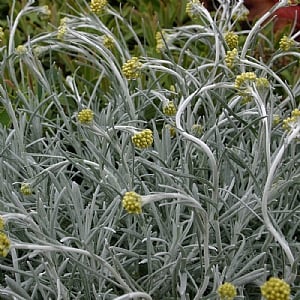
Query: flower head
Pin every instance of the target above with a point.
(21, 50)
(276, 120)
(2, 223)
(108, 42)
(197, 130)
(4, 244)
(131, 69)
(241, 15)
(160, 38)
(286, 43)
(191, 8)
(45, 11)
(231, 40)
(169, 109)
(132, 202)
(243, 79)
(61, 31)
(97, 6)
(231, 56)
(275, 289)
(1, 34)
(227, 291)
(85, 116)
(262, 82)
(293, 121)
(26, 189)
(143, 139)
(171, 129)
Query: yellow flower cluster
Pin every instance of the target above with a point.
(275, 289)
(231, 40)
(85, 116)
(62, 29)
(169, 109)
(243, 16)
(160, 43)
(286, 43)
(21, 50)
(230, 58)
(172, 88)
(4, 244)
(97, 6)
(244, 78)
(197, 130)
(2, 223)
(108, 42)
(132, 202)
(276, 120)
(143, 139)
(171, 129)
(262, 82)
(26, 189)
(45, 11)
(290, 121)
(1, 34)
(131, 69)
(190, 8)
(227, 291)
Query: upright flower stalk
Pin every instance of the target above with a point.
(264, 203)
(211, 159)
(198, 142)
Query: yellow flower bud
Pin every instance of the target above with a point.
(4, 244)
(286, 43)
(143, 139)
(275, 289)
(85, 116)
(231, 40)
(132, 202)
(227, 291)
(97, 6)
(26, 189)
(169, 109)
(131, 69)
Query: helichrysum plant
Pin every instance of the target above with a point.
(227, 291)
(219, 178)
(275, 289)
(143, 139)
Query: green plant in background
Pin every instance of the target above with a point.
(138, 170)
